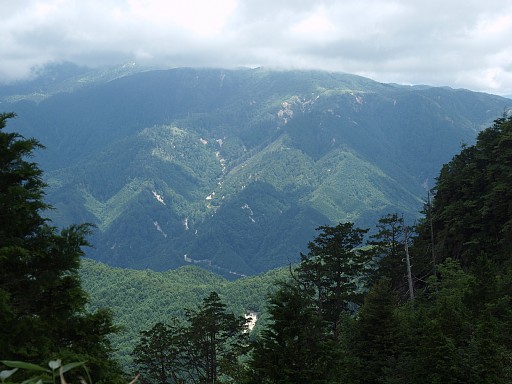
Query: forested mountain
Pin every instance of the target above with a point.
(343, 315)
(140, 299)
(233, 169)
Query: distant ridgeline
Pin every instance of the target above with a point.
(232, 170)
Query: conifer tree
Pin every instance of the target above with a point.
(294, 347)
(158, 357)
(214, 341)
(42, 302)
(375, 339)
(337, 268)
(389, 244)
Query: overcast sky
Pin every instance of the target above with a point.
(459, 43)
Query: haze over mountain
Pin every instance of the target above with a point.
(234, 169)
(457, 43)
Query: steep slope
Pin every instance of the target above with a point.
(233, 169)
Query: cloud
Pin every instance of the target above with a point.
(460, 43)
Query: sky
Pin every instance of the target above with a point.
(456, 43)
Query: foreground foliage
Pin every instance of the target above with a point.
(55, 373)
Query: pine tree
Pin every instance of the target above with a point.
(390, 252)
(376, 335)
(337, 268)
(40, 292)
(294, 347)
(158, 357)
(213, 341)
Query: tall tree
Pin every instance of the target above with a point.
(157, 355)
(375, 339)
(337, 267)
(40, 289)
(293, 348)
(391, 246)
(390, 251)
(215, 340)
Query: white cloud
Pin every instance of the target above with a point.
(316, 27)
(201, 18)
(460, 43)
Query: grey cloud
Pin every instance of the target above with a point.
(461, 43)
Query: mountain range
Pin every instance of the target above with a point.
(233, 170)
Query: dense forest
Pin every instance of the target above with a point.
(397, 303)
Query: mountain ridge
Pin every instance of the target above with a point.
(233, 169)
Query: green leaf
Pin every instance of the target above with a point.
(7, 373)
(33, 380)
(71, 366)
(54, 364)
(23, 365)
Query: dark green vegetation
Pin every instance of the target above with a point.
(204, 349)
(42, 303)
(233, 170)
(140, 299)
(342, 316)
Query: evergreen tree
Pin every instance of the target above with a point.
(214, 342)
(337, 268)
(390, 252)
(375, 341)
(304, 340)
(40, 293)
(158, 357)
(293, 348)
